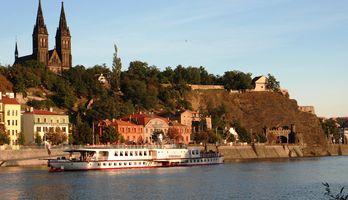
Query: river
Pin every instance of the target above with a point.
(272, 179)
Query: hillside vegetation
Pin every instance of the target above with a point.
(140, 88)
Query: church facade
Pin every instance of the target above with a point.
(57, 59)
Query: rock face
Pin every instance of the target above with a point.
(257, 110)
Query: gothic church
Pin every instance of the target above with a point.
(57, 59)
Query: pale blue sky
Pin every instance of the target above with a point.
(304, 43)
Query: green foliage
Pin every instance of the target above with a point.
(41, 104)
(155, 135)
(115, 79)
(38, 139)
(331, 196)
(272, 83)
(109, 135)
(56, 137)
(242, 132)
(4, 137)
(82, 134)
(236, 80)
(329, 127)
(21, 139)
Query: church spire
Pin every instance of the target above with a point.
(16, 52)
(63, 25)
(40, 26)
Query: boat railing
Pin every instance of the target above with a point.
(146, 146)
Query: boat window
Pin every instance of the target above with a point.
(115, 164)
(136, 153)
(135, 163)
(140, 154)
(120, 164)
(144, 163)
(149, 153)
(130, 163)
(121, 153)
(116, 153)
(98, 164)
(104, 164)
(103, 155)
(139, 163)
(145, 153)
(125, 163)
(131, 153)
(110, 164)
(126, 153)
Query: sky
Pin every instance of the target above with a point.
(303, 43)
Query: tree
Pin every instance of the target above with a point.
(155, 136)
(4, 137)
(173, 135)
(38, 139)
(330, 128)
(242, 132)
(116, 72)
(21, 139)
(272, 83)
(82, 133)
(56, 137)
(109, 135)
(236, 80)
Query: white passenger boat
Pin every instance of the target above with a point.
(104, 158)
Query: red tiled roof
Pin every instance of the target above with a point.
(7, 100)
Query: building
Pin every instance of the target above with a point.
(41, 122)
(183, 131)
(260, 83)
(308, 109)
(57, 59)
(10, 117)
(151, 123)
(132, 133)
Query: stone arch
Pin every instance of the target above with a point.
(282, 139)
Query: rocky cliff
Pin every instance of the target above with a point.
(257, 110)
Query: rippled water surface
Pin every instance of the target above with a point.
(276, 179)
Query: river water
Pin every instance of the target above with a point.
(273, 179)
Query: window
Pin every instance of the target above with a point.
(13, 123)
(38, 129)
(64, 129)
(145, 153)
(140, 153)
(131, 153)
(136, 153)
(38, 120)
(121, 153)
(63, 120)
(13, 113)
(126, 153)
(45, 120)
(116, 153)
(16, 112)
(8, 122)
(8, 113)
(16, 123)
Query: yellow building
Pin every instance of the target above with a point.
(42, 122)
(10, 117)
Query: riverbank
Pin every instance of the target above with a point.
(36, 157)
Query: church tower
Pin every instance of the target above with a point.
(63, 41)
(40, 38)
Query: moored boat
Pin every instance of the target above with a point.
(124, 157)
